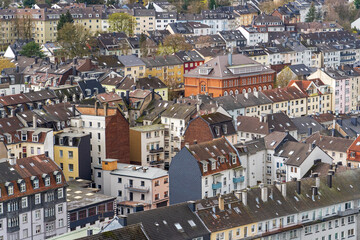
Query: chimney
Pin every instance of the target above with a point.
(256, 94)
(127, 95)
(264, 192)
(298, 186)
(96, 108)
(34, 121)
(73, 70)
(17, 69)
(246, 95)
(283, 189)
(244, 197)
(314, 191)
(309, 131)
(74, 110)
(36, 60)
(12, 161)
(329, 180)
(310, 147)
(198, 107)
(123, 220)
(192, 206)
(317, 182)
(354, 121)
(221, 203)
(89, 232)
(16, 57)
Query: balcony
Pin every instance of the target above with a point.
(176, 138)
(156, 162)
(348, 212)
(133, 188)
(176, 150)
(238, 179)
(280, 171)
(347, 60)
(156, 150)
(216, 186)
(347, 54)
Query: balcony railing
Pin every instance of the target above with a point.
(347, 60)
(238, 179)
(347, 54)
(134, 188)
(156, 162)
(156, 150)
(216, 185)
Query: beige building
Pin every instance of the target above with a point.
(133, 66)
(145, 20)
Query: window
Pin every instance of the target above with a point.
(25, 233)
(38, 229)
(119, 193)
(60, 193)
(61, 153)
(24, 202)
(36, 183)
(142, 183)
(24, 218)
(49, 212)
(60, 208)
(347, 205)
(1, 208)
(49, 196)
(10, 190)
(71, 167)
(350, 232)
(157, 183)
(99, 136)
(22, 187)
(37, 198)
(205, 167)
(71, 154)
(119, 180)
(220, 236)
(58, 178)
(37, 214)
(99, 174)
(47, 181)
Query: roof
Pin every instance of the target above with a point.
(160, 223)
(301, 69)
(280, 122)
(237, 214)
(130, 232)
(219, 67)
(139, 172)
(179, 111)
(294, 152)
(251, 147)
(284, 94)
(161, 61)
(252, 99)
(328, 143)
(148, 128)
(214, 151)
(304, 123)
(131, 61)
(141, 83)
(79, 195)
(228, 102)
(274, 139)
(252, 124)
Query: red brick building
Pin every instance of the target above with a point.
(229, 75)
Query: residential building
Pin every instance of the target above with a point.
(336, 147)
(109, 132)
(352, 154)
(233, 38)
(145, 20)
(255, 103)
(164, 18)
(228, 75)
(189, 28)
(72, 154)
(204, 170)
(136, 188)
(86, 206)
(253, 35)
(205, 128)
(132, 66)
(33, 198)
(191, 59)
(244, 14)
(147, 145)
(306, 125)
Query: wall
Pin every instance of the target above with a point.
(135, 146)
(197, 130)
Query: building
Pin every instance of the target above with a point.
(228, 75)
(33, 198)
(72, 154)
(147, 145)
(163, 19)
(86, 206)
(109, 132)
(205, 128)
(336, 147)
(352, 154)
(253, 35)
(145, 20)
(189, 28)
(204, 170)
(136, 188)
(132, 66)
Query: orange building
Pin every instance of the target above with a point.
(229, 75)
(353, 152)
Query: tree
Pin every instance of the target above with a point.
(174, 43)
(5, 3)
(32, 49)
(91, 2)
(74, 40)
(357, 4)
(23, 26)
(67, 18)
(284, 77)
(310, 16)
(122, 22)
(212, 4)
(29, 3)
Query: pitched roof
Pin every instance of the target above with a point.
(284, 94)
(252, 99)
(252, 124)
(161, 61)
(304, 123)
(329, 143)
(141, 83)
(179, 111)
(294, 152)
(130, 61)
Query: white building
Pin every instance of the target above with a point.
(254, 35)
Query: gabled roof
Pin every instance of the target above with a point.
(252, 124)
(179, 111)
(304, 123)
(252, 99)
(294, 152)
(328, 143)
(284, 94)
(161, 61)
(274, 139)
(141, 83)
(173, 222)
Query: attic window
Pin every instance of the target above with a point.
(291, 153)
(179, 227)
(35, 138)
(192, 223)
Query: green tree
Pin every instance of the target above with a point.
(174, 43)
(311, 15)
(29, 3)
(74, 40)
(122, 22)
(284, 77)
(212, 4)
(357, 4)
(318, 15)
(32, 49)
(67, 18)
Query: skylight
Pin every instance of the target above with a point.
(179, 227)
(192, 223)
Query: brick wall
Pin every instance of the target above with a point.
(117, 138)
(197, 130)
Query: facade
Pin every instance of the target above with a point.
(352, 154)
(228, 75)
(136, 188)
(145, 20)
(33, 199)
(72, 154)
(147, 145)
(132, 66)
(204, 170)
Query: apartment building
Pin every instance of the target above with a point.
(72, 154)
(135, 187)
(204, 170)
(147, 145)
(253, 35)
(108, 130)
(33, 199)
(352, 154)
(164, 18)
(133, 66)
(145, 20)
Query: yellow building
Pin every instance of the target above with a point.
(145, 20)
(132, 66)
(245, 15)
(72, 154)
(169, 69)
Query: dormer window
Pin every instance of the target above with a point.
(58, 178)
(61, 141)
(225, 128)
(213, 165)
(22, 187)
(205, 167)
(10, 190)
(35, 183)
(47, 181)
(35, 138)
(217, 131)
(23, 136)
